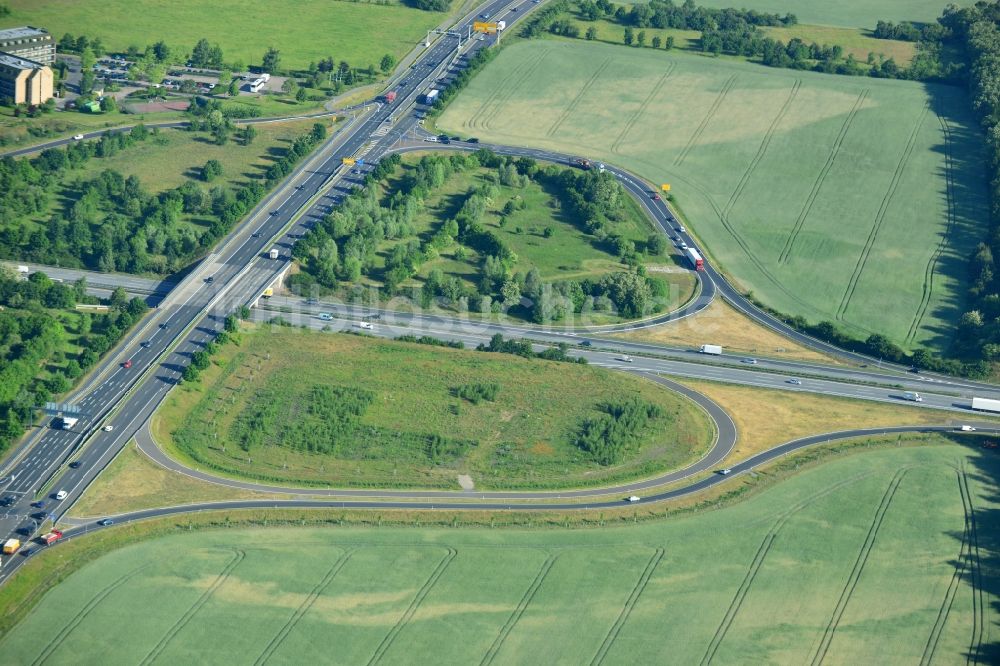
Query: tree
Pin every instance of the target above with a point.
(232, 324)
(657, 42)
(301, 95)
(249, 134)
(669, 43)
(510, 292)
(234, 88)
(641, 38)
(211, 170)
(290, 86)
(629, 36)
(656, 244)
(190, 374)
(272, 61)
(108, 104)
(387, 63)
(161, 52)
(591, 33)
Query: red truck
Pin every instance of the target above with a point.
(51, 537)
(390, 96)
(697, 262)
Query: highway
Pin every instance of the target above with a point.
(193, 312)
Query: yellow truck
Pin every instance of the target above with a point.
(11, 546)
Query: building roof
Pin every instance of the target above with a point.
(18, 63)
(22, 32)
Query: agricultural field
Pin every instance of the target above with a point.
(846, 13)
(902, 579)
(339, 410)
(820, 194)
(302, 30)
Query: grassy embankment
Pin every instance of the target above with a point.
(864, 559)
(414, 429)
(820, 194)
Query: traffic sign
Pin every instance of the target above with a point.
(348, 161)
(489, 28)
(665, 187)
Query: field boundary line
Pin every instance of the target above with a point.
(712, 110)
(94, 602)
(414, 605)
(762, 149)
(980, 610)
(961, 566)
(576, 99)
(949, 188)
(633, 599)
(153, 654)
(638, 113)
(897, 175)
(522, 605)
(503, 95)
(486, 104)
(858, 569)
(824, 171)
(303, 608)
(762, 551)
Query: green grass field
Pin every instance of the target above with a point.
(848, 13)
(303, 30)
(865, 559)
(821, 194)
(523, 438)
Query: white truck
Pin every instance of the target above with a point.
(986, 405)
(67, 422)
(273, 253)
(501, 25)
(715, 350)
(431, 95)
(912, 396)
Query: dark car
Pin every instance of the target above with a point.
(586, 343)
(75, 464)
(7, 501)
(39, 504)
(105, 522)
(473, 140)
(210, 279)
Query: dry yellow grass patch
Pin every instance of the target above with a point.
(134, 482)
(721, 324)
(766, 417)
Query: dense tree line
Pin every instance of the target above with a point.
(33, 338)
(432, 341)
(430, 5)
(110, 222)
(736, 32)
(978, 30)
(610, 436)
(522, 348)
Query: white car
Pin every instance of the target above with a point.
(367, 326)
(108, 428)
(78, 137)
(796, 382)
(626, 358)
(61, 495)
(634, 498)
(725, 471)
(967, 428)
(750, 361)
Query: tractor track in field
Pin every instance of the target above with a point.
(94, 602)
(576, 99)
(425, 589)
(949, 188)
(487, 104)
(303, 608)
(831, 158)
(962, 566)
(505, 94)
(630, 603)
(522, 605)
(897, 175)
(765, 547)
(712, 110)
(980, 607)
(762, 149)
(859, 566)
(152, 655)
(638, 113)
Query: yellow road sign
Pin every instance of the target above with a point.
(665, 187)
(349, 161)
(489, 28)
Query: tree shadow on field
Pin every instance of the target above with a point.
(978, 564)
(962, 185)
